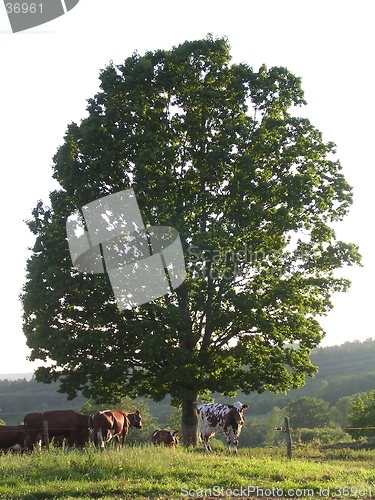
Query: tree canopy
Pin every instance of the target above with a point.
(214, 150)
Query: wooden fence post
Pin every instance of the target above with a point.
(45, 431)
(288, 439)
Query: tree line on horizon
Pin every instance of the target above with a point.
(347, 383)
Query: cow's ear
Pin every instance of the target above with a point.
(245, 407)
(137, 412)
(176, 432)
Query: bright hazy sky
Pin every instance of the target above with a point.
(48, 72)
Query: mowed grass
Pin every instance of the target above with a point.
(139, 473)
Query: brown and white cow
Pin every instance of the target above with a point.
(221, 418)
(68, 424)
(12, 437)
(169, 438)
(110, 424)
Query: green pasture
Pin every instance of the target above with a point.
(142, 472)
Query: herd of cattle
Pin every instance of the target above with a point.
(68, 427)
(75, 429)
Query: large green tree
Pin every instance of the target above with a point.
(213, 150)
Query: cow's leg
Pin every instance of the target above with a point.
(95, 437)
(99, 438)
(124, 434)
(38, 441)
(235, 445)
(29, 442)
(228, 437)
(113, 435)
(206, 444)
(202, 438)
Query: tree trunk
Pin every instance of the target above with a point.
(189, 422)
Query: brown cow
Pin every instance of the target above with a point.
(169, 438)
(12, 437)
(69, 424)
(113, 423)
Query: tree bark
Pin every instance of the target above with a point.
(189, 422)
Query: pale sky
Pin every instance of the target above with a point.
(48, 72)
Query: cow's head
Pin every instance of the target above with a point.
(137, 420)
(235, 415)
(240, 407)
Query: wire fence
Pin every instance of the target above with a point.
(358, 428)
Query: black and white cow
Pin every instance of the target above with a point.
(221, 418)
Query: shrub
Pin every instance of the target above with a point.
(322, 435)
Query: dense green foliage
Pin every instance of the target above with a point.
(322, 435)
(308, 412)
(363, 415)
(212, 149)
(140, 473)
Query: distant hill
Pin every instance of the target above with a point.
(349, 358)
(344, 370)
(22, 396)
(16, 376)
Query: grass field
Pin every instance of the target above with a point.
(138, 473)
